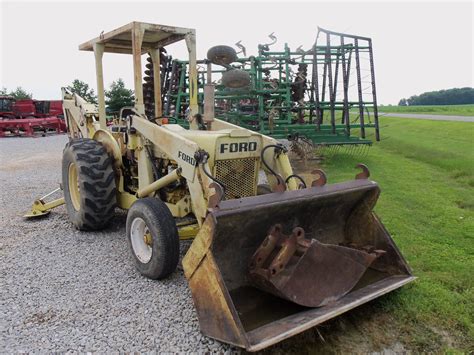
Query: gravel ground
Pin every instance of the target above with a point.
(64, 290)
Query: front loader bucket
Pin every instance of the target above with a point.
(265, 268)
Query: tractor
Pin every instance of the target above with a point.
(271, 256)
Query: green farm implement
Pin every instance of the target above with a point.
(324, 97)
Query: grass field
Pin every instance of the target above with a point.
(455, 110)
(426, 173)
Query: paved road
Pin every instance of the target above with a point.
(429, 117)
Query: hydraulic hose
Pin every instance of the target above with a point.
(202, 158)
(278, 149)
(295, 177)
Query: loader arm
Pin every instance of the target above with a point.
(181, 150)
(79, 114)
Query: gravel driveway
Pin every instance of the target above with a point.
(64, 290)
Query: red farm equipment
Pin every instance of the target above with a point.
(25, 117)
(38, 108)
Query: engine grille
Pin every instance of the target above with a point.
(238, 175)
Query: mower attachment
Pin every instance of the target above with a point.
(265, 268)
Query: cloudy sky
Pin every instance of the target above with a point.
(418, 46)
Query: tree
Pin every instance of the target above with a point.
(82, 89)
(118, 96)
(19, 94)
(403, 102)
(456, 96)
(3, 91)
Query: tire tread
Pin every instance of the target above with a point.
(96, 182)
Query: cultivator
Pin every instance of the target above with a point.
(322, 97)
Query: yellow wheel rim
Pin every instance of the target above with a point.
(74, 187)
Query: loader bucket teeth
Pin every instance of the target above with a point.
(265, 268)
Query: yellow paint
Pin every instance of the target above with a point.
(188, 232)
(74, 191)
(125, 200)
(41, 208)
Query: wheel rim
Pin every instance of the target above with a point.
(141, 239)
(74, 191)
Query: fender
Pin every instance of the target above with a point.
(110, 144)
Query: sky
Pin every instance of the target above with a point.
(418, 46)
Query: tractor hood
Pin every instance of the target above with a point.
(223, 144)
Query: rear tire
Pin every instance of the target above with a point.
(89, 184)
(153, 238)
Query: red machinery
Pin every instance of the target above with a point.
(25, 117)
(37, 108)
(6, 106)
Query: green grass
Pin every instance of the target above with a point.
(455, 110)
(426, 172)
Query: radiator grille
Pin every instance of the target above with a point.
(238, 175)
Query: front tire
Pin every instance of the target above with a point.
(89, 184)
(153, 238)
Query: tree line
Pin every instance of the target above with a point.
(117, 96)
(456, 96)
(18, 94)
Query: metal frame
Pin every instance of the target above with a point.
(170, 141)
(278, 115)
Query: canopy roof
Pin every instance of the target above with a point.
(120, 39)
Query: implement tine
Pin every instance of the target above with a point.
(357, 150)
(343, 149)
(350, 149)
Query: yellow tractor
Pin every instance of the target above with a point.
(267, 261)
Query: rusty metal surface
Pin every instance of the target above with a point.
(216, 197)
(339, 230)
(284, 328)
(298, 196)
(280, 185)
(365, 172)
(308, 272)
(321, 178)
